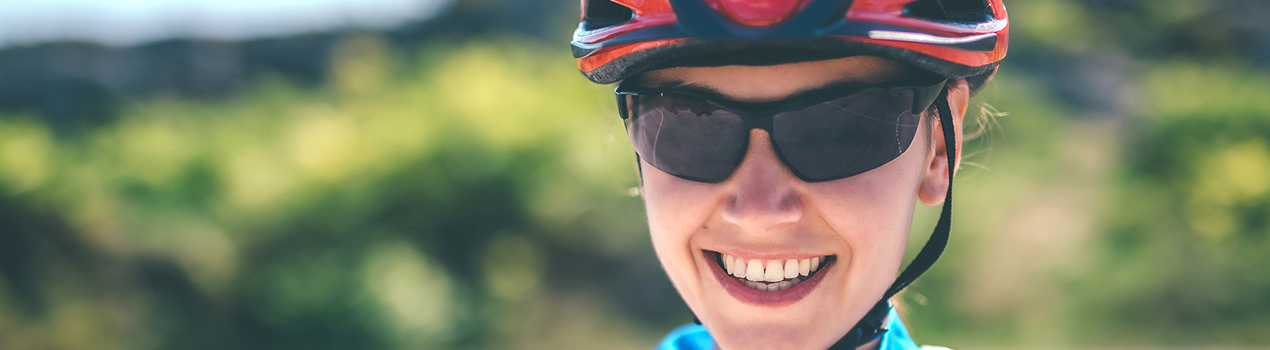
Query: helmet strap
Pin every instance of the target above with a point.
(939, 239)
(873, 324)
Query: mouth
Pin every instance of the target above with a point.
(769, 282)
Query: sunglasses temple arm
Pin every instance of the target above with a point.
(621, 106)
(924, 96)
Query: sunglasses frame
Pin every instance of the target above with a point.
(760, 115)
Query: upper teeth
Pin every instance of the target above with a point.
(769, 270)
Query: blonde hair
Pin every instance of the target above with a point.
(982, 120)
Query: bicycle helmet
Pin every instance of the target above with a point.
(953, 38)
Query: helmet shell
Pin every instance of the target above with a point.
(955, 39)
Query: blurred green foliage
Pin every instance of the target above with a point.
(440, 202)
(478, 194)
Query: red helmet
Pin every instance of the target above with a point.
(953, 38)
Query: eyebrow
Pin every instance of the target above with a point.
(678, 84)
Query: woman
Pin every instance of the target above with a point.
(782, 145)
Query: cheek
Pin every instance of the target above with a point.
(872, 213)
(675, 206)
(868, 204)
(676, 209)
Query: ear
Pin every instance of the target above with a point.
(935, 178)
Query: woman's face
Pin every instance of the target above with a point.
(857, 227)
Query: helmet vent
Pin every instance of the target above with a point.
(839, 13)
(604, 13)
(952, 11)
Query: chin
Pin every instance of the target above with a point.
(745, 337)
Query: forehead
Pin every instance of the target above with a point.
(760, 83)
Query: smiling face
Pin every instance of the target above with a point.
(815, 256)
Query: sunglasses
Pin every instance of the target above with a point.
(822, 135)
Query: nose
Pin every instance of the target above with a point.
(764, 192)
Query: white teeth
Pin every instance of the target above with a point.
(774, 273)
(755, 285)
(754, 271)
(772, 287)
(770, 275)
(784, 285)
(791, 268)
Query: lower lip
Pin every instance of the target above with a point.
(763, 298)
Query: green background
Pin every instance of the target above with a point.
(471, 190)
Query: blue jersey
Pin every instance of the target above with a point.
(695, 337)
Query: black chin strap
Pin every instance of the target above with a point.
(873, 324)
(939, 239)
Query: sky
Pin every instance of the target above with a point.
(131, 22)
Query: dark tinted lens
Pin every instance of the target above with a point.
(846, 136)
(687, 137)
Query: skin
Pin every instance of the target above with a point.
(764, 211)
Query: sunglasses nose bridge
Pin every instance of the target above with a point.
(763, 192)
